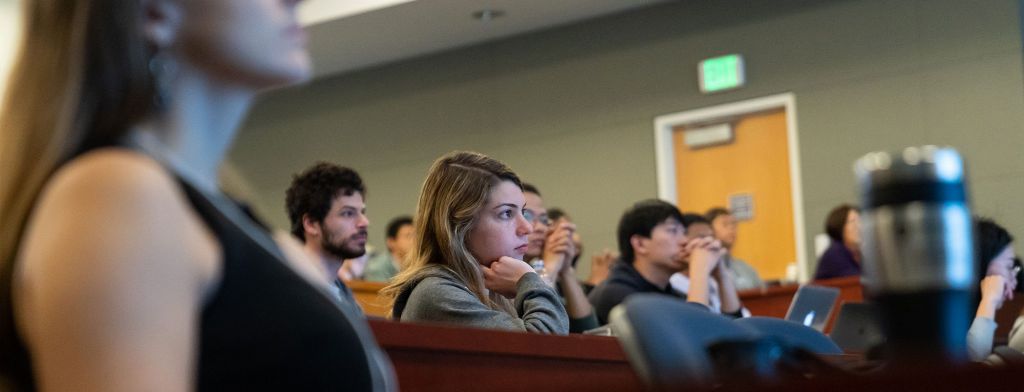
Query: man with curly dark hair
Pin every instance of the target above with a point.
(328, 213)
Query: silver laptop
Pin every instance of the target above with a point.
(812, 305)
(857, 328)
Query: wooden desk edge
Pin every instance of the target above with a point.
(395, 335)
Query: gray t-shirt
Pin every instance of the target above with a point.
(744, 276)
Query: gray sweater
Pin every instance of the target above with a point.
(439, 296)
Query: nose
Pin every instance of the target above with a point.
(364, 221)
(524, 227)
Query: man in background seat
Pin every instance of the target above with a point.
(385, 265)
(654, 246)
(724, 226)
(328, 214)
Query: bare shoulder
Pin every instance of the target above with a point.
(117, 210)
(131, 174)
(119, 192)
(113, 256)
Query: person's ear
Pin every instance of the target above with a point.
(162, 21)
(639, 244)
(310, 226)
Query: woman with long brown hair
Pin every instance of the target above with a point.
(122, 265)
(466, 267)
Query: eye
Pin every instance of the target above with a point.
(348, 213)
(506, 214)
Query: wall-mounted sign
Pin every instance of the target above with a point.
(741, 205)
(709, 135)
(721, 73)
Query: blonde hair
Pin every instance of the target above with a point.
(456, 189)
(80, 81)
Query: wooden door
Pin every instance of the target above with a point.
(756, 162)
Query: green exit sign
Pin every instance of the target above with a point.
(721, 73)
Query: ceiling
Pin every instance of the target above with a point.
(354, 34)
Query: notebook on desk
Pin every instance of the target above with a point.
(812, 305)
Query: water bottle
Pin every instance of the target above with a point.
(538, 265)
(917, 247)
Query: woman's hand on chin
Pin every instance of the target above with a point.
(993, 289)
(503, 275)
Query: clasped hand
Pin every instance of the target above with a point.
(559, 249)
(504, 274)
(705, 254)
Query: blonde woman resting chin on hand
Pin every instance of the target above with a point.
(467, 266)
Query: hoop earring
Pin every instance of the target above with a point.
(162, 69)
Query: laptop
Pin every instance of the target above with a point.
(857, 328)
(812, 305)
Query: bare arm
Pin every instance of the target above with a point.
(559, 249)
(704, 257)
(112, 273)
(727, 289)
(576, 303)
(992, 289)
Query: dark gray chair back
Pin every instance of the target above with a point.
(791, 334)
(666, 338)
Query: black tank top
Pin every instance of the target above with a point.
(265, 328)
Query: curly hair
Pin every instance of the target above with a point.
(313, 190)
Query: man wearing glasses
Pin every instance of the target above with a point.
(551, 251)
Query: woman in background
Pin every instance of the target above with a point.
(122, 265)
(997, 271)
(466, 267)
(842, 258)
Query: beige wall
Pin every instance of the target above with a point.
(572, 109)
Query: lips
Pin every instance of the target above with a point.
(521, 249)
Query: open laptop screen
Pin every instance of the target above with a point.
(812, 305)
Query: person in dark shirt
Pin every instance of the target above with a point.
(654, 245)
(842, 258)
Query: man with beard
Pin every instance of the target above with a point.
(327, 212)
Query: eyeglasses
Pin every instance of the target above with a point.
(536, 218)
